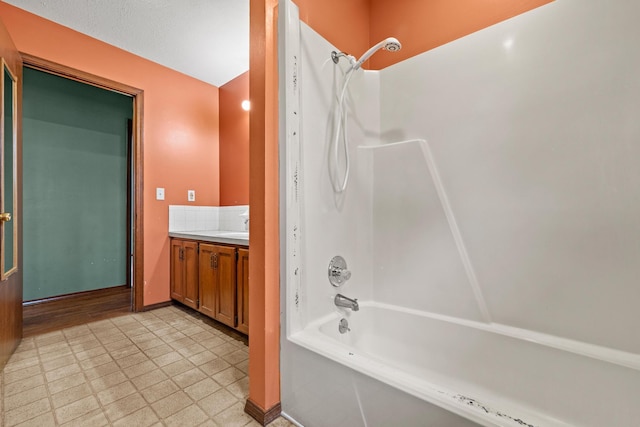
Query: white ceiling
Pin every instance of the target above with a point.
(205, 39)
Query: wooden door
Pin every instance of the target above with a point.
(226, 285)
(190, 274)
(207, 280)
(10, 197)
(242, 293)
(177, 270)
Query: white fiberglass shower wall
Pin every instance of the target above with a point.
(491, 224)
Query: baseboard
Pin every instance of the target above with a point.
(157, 306)
(77, 295)
(261, 416)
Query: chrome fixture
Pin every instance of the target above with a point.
(338, 273)
(343, 327)
(342, 301)
(339, 184)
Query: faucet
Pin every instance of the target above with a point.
(342, 301)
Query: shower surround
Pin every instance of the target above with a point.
(490, 224)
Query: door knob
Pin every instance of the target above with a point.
(5, 217)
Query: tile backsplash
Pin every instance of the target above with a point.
(201, 218)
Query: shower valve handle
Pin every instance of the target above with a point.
(341, 273)
(338, 273)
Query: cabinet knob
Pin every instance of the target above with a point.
(5, 217)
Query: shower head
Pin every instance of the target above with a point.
(390, 44)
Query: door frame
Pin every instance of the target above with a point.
(50, 67)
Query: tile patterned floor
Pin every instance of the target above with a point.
(164, 367)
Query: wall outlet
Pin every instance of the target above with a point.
(159, 193)
(191, 195)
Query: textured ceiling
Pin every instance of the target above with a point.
(206, 39)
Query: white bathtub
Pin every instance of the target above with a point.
(490, 374)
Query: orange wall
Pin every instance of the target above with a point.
(422, 25)
(344, 23)
(180, 127)
(234, 142)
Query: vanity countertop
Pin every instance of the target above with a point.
(214, 236)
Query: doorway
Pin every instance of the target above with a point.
(104, 237)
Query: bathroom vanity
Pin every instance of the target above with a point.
(210, 273)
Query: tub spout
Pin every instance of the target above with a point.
(342, 301)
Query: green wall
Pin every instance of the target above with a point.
(75, 186)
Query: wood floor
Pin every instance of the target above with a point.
(76, 309)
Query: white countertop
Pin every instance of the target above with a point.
(214, 236)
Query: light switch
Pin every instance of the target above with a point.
(191, 195)
(159, 193)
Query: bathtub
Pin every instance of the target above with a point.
(490, 374)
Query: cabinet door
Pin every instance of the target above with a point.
(243, 291)
(190, 274)
(226, 285)
(177, 270)
(207, 279)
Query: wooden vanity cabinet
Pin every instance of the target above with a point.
(213, 279)
(218, 282)
(184, 272)
(242, 292)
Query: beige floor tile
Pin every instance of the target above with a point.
(22, 374)
(116, 392)
(209, 423)
(136, 330)
(214, 366)
(281, 422)
(123, 407)
(189, 377)
(217, 402)
(26, 344)
(189, 416)
(76, 331)
(204, 357)
(143, 337)
(71, 395)
(111, 337)
(240, 388)
(24, 385)
(92, 352)
(66, 383)
(149, 379)
(171, 404)
(139, 369)
(95, 361)
(55, 349)
(27, 412)
(16, 357)
(244, 366)
(108, 381)
(141, 418)
(154, 342)
(191, 350)
(76, 409)
(173, 336)
(178, 367)
(123, 352)
(21, 364)
(95, 418)
(233, 416)
(202, 389)
(229, 376)
(45, 420)
(158, 350)
(159, 391)
(167, 359)
(84, 343)
(63, 372)
(212, 342)
(223, 349)
(101, 371)
(25, 397)
(117, 345)
(134, 359)
(236, 356)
